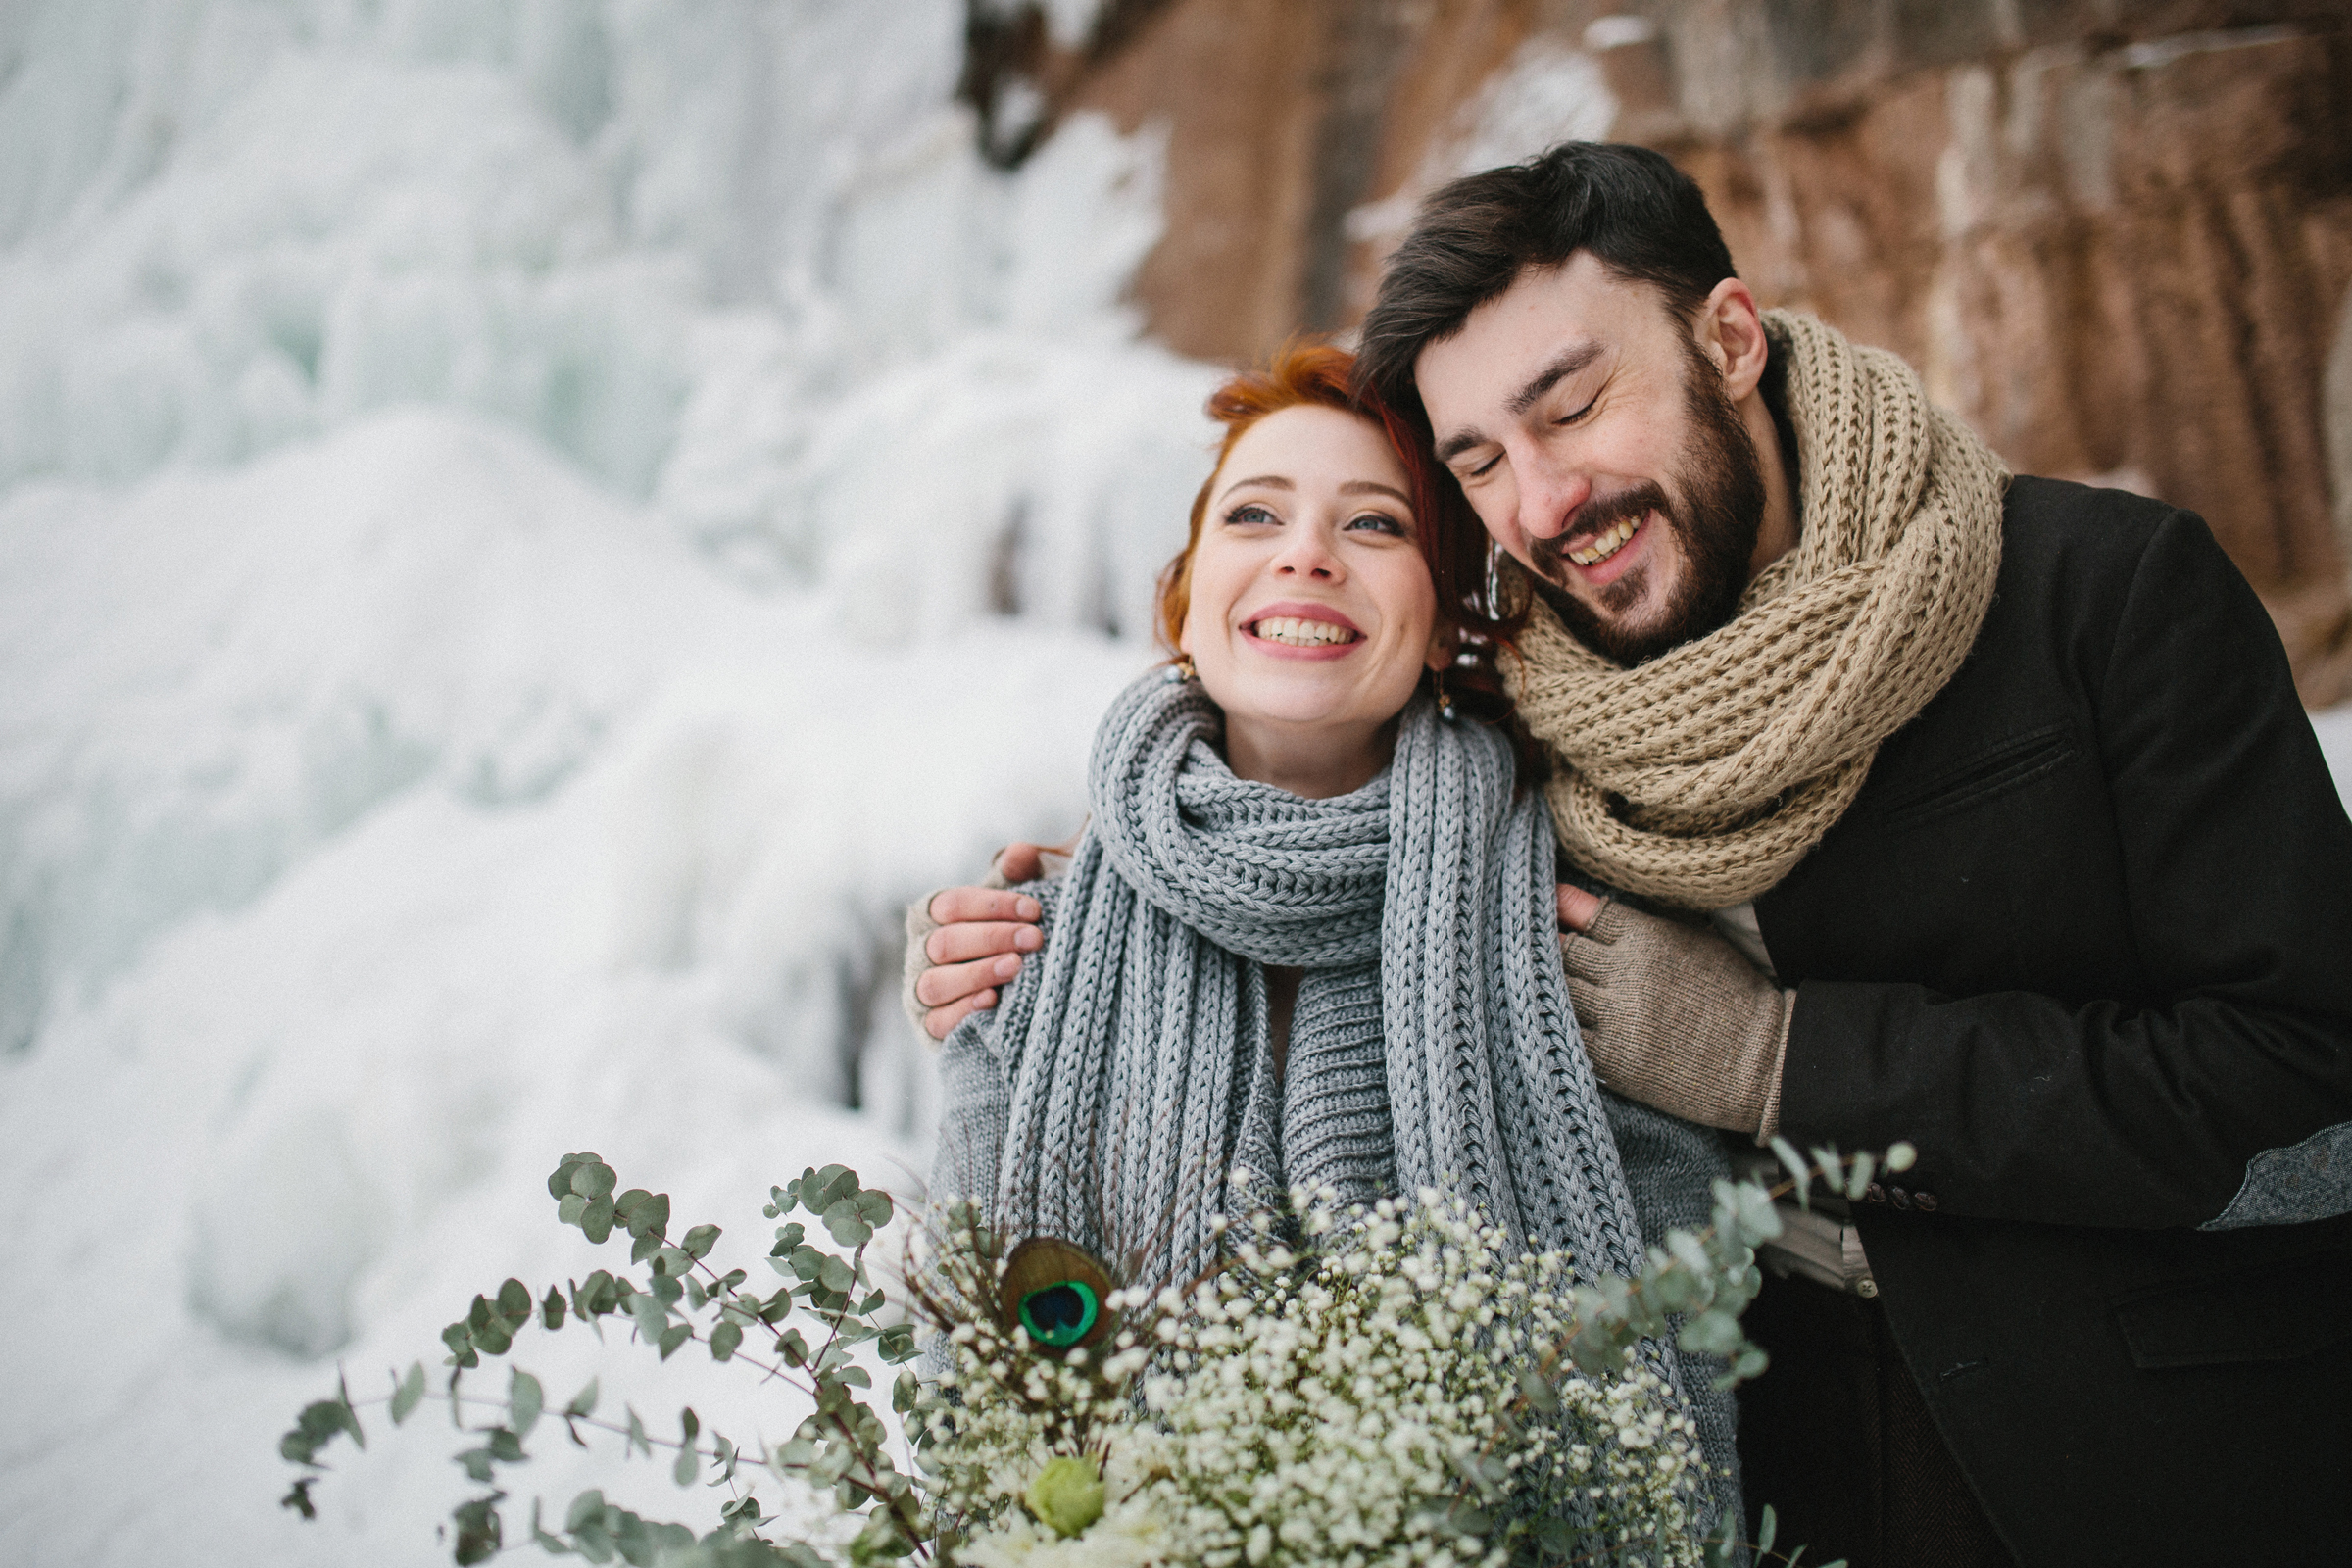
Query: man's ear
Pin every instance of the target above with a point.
(1730, 330)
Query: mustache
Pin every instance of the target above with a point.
(1594, 518)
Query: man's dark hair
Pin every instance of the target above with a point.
(1640, 216)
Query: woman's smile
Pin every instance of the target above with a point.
(1289, 630)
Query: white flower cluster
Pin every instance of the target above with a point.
(1015, 1409)
(1391, 1391)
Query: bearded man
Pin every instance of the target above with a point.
(1945, 806)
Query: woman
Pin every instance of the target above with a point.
(1308, 937)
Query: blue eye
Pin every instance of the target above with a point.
(1249, 514)
(1379, 523)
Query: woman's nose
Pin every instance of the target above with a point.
(1308, 554)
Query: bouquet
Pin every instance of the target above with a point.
(1368, 1387)
(1385, 1392)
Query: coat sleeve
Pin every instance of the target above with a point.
(2232, 1069)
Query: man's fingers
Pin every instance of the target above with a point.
(1587, 964)
(957, 905)
(949, 983)
(1577, 908)
(941, 1022)
(980, 939)
(1612, 920)
(1021, 862)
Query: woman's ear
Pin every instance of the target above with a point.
(1184, 635)
(1441, 651)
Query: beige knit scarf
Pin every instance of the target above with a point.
(1703, 777)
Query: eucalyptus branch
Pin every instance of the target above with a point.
(838, 1444)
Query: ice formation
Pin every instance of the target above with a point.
(530, 528)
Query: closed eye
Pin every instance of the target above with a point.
(1571, 418)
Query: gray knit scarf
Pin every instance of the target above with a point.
(1125, 1075)
(1432, 1041)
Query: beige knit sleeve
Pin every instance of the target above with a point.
(919, 926)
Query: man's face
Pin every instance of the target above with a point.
(1595, 438)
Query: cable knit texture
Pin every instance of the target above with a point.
(1127, 1072)
(1419, 907)
(1702, 776)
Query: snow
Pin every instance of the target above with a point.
(532, 527)
(2334, 728)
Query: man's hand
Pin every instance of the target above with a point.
(981, 934)
(964, 943)
(1673, 1016)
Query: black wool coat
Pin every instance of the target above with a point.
(2086, 939)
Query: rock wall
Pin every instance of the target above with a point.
(2116, 236)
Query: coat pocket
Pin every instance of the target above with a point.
(2010, 764)
(2271, 1312)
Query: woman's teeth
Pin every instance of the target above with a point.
(1301, 633)
(1608, 544)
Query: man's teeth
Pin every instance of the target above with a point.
(1608, 544)
(1301, 633)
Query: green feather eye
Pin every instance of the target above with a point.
(1056, 1291)
(1058, 1316)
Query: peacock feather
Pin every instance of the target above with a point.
(1056, 1293)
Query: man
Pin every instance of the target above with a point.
(1972, 812)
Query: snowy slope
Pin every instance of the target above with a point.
(308, 1128)
(531, 528)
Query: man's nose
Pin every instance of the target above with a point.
(1548, 499)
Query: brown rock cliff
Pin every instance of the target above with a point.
(2117, 237)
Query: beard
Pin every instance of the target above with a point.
(1721, 483)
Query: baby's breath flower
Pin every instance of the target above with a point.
(1343, 1405)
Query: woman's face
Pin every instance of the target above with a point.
(1312, 615)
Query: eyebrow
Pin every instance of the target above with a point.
(1567, 362)
(1352, 487)
(1570, 361)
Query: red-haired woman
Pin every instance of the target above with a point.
(1308, 937)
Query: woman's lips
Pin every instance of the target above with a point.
(1301, 631)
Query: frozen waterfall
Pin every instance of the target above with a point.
(528, 529)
